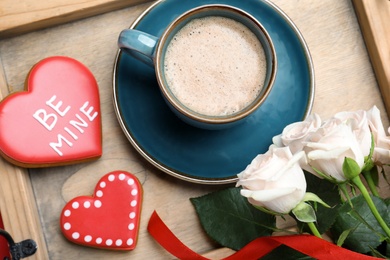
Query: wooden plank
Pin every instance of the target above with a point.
(17, 202)
(374, 17)
(19, 17)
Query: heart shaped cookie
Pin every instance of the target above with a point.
(110, 218)
(56, 121)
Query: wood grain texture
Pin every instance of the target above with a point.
(374, 18)
(344, 81)
(17, 200)
(23, 16)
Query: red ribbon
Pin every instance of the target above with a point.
(4, 251)
(306, 244)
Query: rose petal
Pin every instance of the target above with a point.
(327, 154)
(267, 195)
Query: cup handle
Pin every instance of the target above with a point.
(138, 44)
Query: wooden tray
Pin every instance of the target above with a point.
(17, 204)
(374, 17)
(23, 16)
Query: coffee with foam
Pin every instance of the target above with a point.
(215, 66)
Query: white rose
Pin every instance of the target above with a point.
(295, 134)
(381, 140)
(274, 180)
(359, 125)
(328, 147)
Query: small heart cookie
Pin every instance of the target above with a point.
(56, 121)
(110, 218)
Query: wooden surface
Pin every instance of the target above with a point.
(374, 18)
(17, 17)
(17, 206)
(344, 81)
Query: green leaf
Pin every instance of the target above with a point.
(378, 253)
(343, 236)
(229, 219)
(365, 231)
(304, 213)
(329, 193)
(309, 196)
(285, 253)
(368, 162)
(350, 168)
(387, 251)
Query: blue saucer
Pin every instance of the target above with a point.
(204, 156)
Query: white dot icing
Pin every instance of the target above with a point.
(75, 235)
(99, 240)
(99, 193)
(131, 226)
(67, 213)
(132, 215)
(88, 238)
(97, 203)
(109, 242)
(130, 182)
(122, 176)
(102, 184)
(118, 242)
(133, 203)
(134, 192)
(87, 204)
(67, 226)
(129, 241)
(75, 205)
(111, 177)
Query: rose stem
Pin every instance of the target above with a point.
(371, 184)
(314, 229)
(343, 188)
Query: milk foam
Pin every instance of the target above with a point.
(215, 66)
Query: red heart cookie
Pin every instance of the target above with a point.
(56, 121)
(110, 219)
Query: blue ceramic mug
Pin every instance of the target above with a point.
(215, 64)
